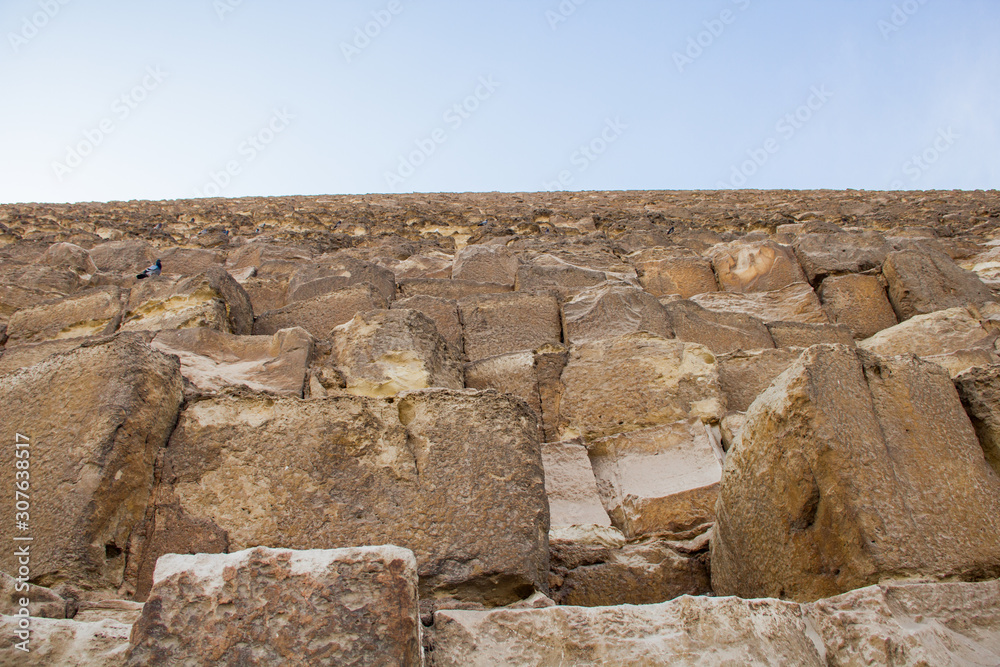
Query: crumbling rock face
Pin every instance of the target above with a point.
(212, 299)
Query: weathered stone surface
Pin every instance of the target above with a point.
(269, 607)
(70, 256)
(925, 282)
(718, 331)
(512, 373)
(550, 272)
(840, 252)
(872, 471)
(125, 258)
(500, 323)
(321, 314)
(119, 611)
(486, 264)
(91, 313)
(95, 419)
(859, 303)
(797, 334)
(948, 337)
(444, 313)
(212, 360)
(265, 293)
(657, 381)
(670, 271)
(979, 389)
(571, 487)
(610, 310)
(448, 289)
(210, 299)
(65, 643)
(743, 376)
(892, 624)
(270, 259)
(795, 303)
(454, 475)
(42, 602)
(431, 264)
(30, 354)
(663, 479)
(190, 261)
(757, 266)
(333, 273)
(385, 352)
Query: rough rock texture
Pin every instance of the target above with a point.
(444, 313)
(666, 272)
(795, 303)
(212, 360)
(95, 418)
(332, 274)
(840, 252)
(743, 376)
(610, 310)
(979, 389)
(873, 470)
(385, 352)
(924, 282)
(859, 303)
(719, 332)
(321, 314)
(65, 643)
(449, 289)
(456, 476)
(90, 313)
(269, 607)
(757, 266)
(486, 264)
(42, 602)
(212, 299)
(571, 487)
(499, 323)
(892, 624)
(797, 334)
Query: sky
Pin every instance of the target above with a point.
(112, 100)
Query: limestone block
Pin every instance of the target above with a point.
(743, 376)
(70, 256)
(756, 266)
(499, 323)
(456, 476)
(65, 642)
(795, 303)
(859, 303)
(334, 273)
(444, 313)
(979, 389)
(95, 419)
(663, 479)
(925, 282)
(797, 334)
(610, 310)
(385, 352)
(571, 487)
(93, 312)
(433, 264)
(321, 314)
(268, 607)
(30, 354)
(718, 331)
(125, 258)
(266, 293)
(655, 380)
(190, 261)
(42, 602)
(120, 611)
(212, 360)
(486, 264)
(666, 272)
(512, 373)
(448, 289)
(550, 272)
(852, 469)
(840, 252)
(211, 299)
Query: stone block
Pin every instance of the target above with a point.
(668, 272)
(93, 312)
(756, 266)
(486, 264)
(444, 313)
(795, 303)
(333, 273)
(718, 331)
(925, 282)
(610, 310)
(211, 299)
(500, 323)
(321, 314)
(840, 252)
(859, 303)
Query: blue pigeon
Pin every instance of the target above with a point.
(151, 270)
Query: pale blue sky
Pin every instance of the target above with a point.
(576, 95)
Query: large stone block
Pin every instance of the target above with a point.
(95, 419)
(670, 271)
(755, 266)
(925, 282)
(332, 273)
(795, 303)
(444, 313)
(656, 381)
(456, 476)
(91, 313)
(385, 352)
(321, 314)
(719, 332)
(65, 642)
(448, 289)
(851, 469)
(979, 389)
(69, 256)
(571, 487)
(858, 302)
(797, 334)
(500, 323)
(211, 299)
(268, 607)
(212, 360)
(486, 264)
(610, 310)
(126, 258)
(743, 376)
(565, 278)
(840, 252)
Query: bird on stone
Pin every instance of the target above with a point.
(151, 270)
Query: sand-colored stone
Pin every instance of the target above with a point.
(124, 258)
(42, 602)
(211, 299)
(486, 264)
(571, 487)
(743, 376)
(444, 313)
(979, 389)
(610, 310)
(321, 314)
(565, 278)
(670, 271)
(334, 273)
(65, 642)
(798, 334)
(824, 254)
(93, 312)
(448, 289)
(922, 282)
(795, 303)
(496, 324)
(756, 266)
(718, 331)
(858, 302)
(268, 607)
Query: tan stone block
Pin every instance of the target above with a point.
(610, 310)
(743, 376)
(571, 487)
(321, 314)
(798, 334)
(757, 266)
(795, 303)
(444, 313)
(979, 389)
(486, 264)
(500, 323)
(666, 272)
(91, 313)
(718, 331)
(448, 289)
(922, 282)
(858, 302)
(335, 273)
(823, 254)
(210, 299)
